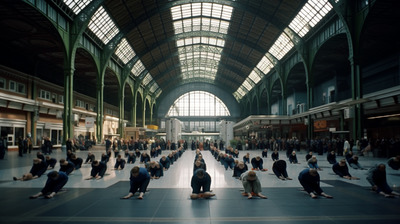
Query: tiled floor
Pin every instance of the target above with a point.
(87, 201)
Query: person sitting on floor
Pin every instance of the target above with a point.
(144, 158)
(105, 158)
(131, 158)
(229, 162)
(264, 153)
(353, 162)
(251, 185)
(165, 162)
(156, 170)
(139, 180)
(201, 180)
(246, 158)
(98, 170)
(199, 165)
(394, 162)
(313, 163)
(77, 161)
(275, 155)
(279, 169)
(342, 170)
(55, 182)
(309, 155)
(119, 163)
(257, 163)
(90, 158)
(240, 168)
(38, 168)
(331, 157)
(293, 158)
(377, 178)
(51, 162)
(66, 166)
(309, 179)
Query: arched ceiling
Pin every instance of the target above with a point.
(254, 25)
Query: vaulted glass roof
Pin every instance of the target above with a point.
(230, 44)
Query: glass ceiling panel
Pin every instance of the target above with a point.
(102, 25)
(154, 87)
(147, 79)
(77, 5)
(124, 51)
(265, 65)
(201, 9)
(199, 56)
(248, 84)
(254, 77)
(311, 13)
(281, 46)
(198, 74)
(198, 103)
(138, 68)
(203, 40)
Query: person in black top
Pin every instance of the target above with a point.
(77, 161)
(51, 162)
(293, 158)
(240, 168)
(90, 158)
(264, 153)
(55, 182)
(394, 162)
(257, 163)
(331, 157)
(308, 156)
(377, 178)
(279, 169)
(309, 179)
(131, 157)
(66, 166)
(119, 163)
(98, 170)
(275, 155)
(37, 170)
(342, 170)
(201, 180)
(199, 165)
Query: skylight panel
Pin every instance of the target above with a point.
(248, 84)
(147, 79)
(254, 77)
(154, 87)
(77, 5)
(138, 68)
(124, 51)
(281, 46)
(311, 13)
(102, 25)
(265, 65)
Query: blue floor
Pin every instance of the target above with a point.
(98, 201)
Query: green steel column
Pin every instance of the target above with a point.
(284, 103)
(100, 111)
(134, 110)
(356, 94)
(310, 125)
(144, 114)
(121, 113)
(68, 118)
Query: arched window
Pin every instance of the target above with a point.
(198, 103)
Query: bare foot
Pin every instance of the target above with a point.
(262, 196)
